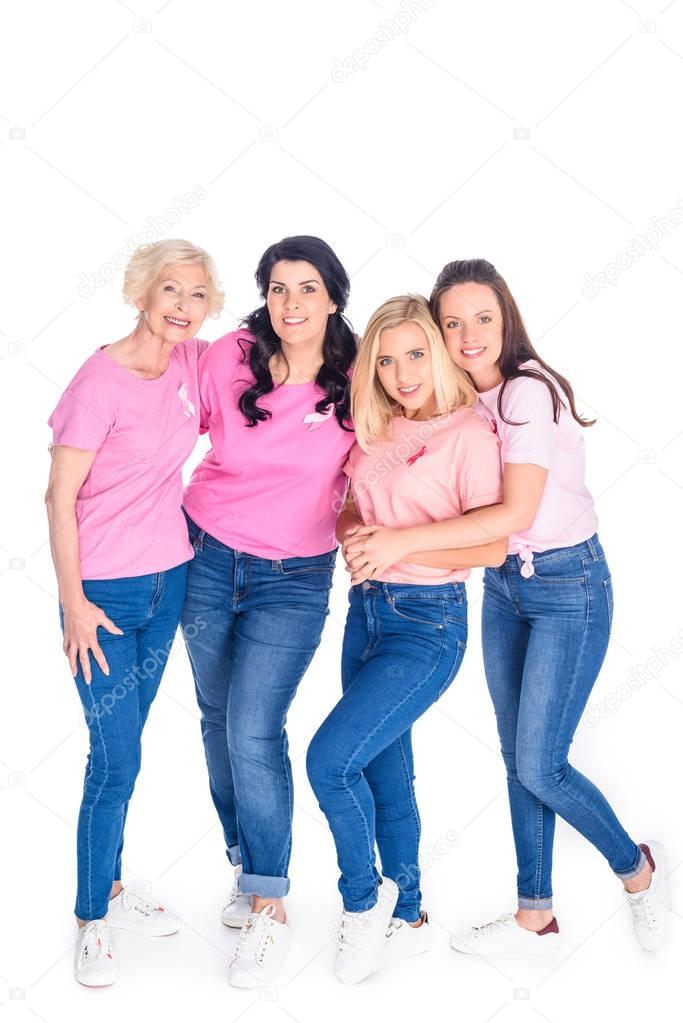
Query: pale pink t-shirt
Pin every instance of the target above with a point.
(426, 471)
(273, 490)
(129, 509)
(566, 515)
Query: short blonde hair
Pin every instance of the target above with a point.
(147, 263)
(371, 407)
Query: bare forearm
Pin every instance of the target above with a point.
(64, 546)
(476, 529)
(489, 555)
(347, 520)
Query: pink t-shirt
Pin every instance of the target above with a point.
(129, 509)
(273, 490)
(426, 471)
(566, 515)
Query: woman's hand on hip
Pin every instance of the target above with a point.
(80, 636)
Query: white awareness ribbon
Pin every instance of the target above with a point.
(188, 407)
(316, 419)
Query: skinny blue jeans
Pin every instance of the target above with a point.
(403, 646)
(544, 639)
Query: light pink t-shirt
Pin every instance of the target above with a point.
(426, 471)
(273, 490)
(129, 509)
(566, 515)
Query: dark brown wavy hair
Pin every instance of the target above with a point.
(517, 347)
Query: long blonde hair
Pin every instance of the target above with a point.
(371, 407)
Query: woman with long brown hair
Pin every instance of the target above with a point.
(547, 611)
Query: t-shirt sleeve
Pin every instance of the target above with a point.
(81, 419)
(480, 478)
(530, 404)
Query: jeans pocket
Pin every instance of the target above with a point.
(319, 563)
(420, 610)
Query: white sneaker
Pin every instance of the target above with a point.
(650, 909)
(403, 941)
(362, 936)
(238, 907)
(95, 960)
(506, 936)
(130, 912)
(261, 950)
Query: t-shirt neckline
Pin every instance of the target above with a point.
(129, 374)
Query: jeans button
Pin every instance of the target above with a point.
(366, 585)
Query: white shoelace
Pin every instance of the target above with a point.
(95, 944)
(256, 935)
(130, 900)
(643, 912)
(351, 930)
(491, 928)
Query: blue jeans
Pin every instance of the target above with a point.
(544, 640)
(115, 706)
(264, 622)
(403, 646)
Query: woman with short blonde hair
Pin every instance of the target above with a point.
(122, 430)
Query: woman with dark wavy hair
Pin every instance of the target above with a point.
(547, 610)
(262, 508)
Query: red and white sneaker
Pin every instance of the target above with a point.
(651, 909)
(505, 936)
(95, 960)
(130, 912)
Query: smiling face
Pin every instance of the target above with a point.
(298, 302)
(472, 326)
(404, 369)
(176, 304)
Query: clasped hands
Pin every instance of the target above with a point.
(370, 550)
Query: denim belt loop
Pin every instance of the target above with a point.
(591, 548)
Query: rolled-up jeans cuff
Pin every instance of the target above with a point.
(264, 886)
(234, 855)
(625, 875)
(532, 903)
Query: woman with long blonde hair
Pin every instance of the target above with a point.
(422, 454)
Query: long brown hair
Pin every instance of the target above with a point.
(517, 347)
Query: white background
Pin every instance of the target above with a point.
(542, 136)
